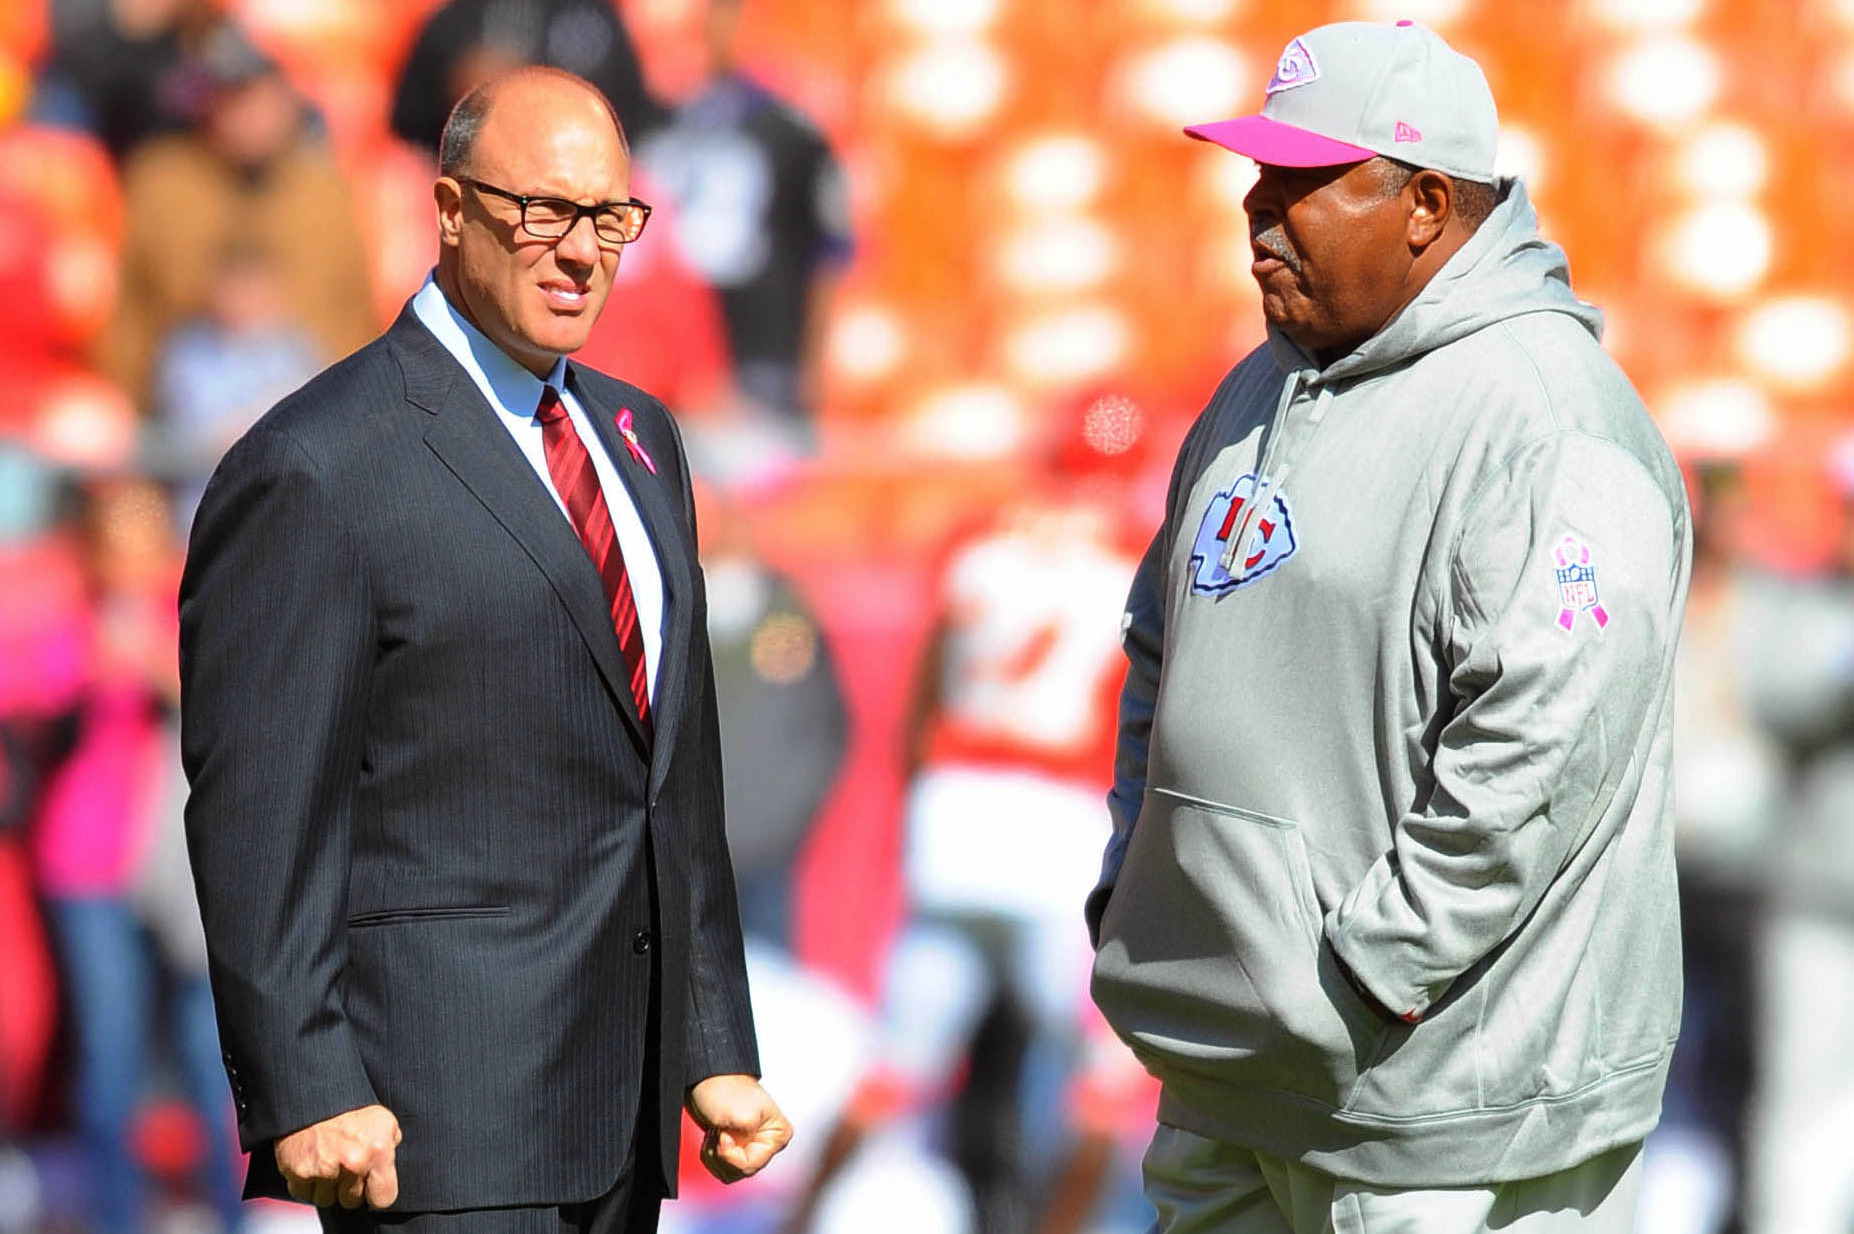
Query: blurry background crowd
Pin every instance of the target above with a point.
(935, 287)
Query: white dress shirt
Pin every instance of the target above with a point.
(515, 393)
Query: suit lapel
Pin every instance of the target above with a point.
(467, 437)
(651, 496)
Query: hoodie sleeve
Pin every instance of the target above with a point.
(1142, 637)
(1562, 606)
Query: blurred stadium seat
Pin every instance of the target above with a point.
(1028, 216)
(67, 183)
(25, 26)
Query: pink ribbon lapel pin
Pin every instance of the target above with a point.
(627, 430)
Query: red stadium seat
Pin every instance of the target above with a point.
(71, 184)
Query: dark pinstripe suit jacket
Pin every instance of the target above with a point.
(438, 866)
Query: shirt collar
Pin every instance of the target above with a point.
(508, 386)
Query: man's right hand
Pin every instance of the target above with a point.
(343, 1160)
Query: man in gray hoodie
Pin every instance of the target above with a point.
(1389, 906)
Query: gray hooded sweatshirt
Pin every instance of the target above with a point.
(1391, 885)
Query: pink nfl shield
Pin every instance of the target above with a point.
(1577, 585)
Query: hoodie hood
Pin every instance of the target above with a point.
(1506, 269)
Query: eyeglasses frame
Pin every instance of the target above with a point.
(522, 200)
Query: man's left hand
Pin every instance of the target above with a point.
(743, 1125)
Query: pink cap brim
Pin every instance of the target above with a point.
(1278, 144)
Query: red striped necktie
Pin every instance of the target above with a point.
(578, 485)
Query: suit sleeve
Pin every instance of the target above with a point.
(721, 1038)
(1551, 697)
(277, 645)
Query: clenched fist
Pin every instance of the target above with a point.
(744, 1127)
(346, 1159)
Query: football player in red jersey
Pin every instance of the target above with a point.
(1010, 752)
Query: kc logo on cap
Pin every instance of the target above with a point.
(1297, 68)
(1345, 92)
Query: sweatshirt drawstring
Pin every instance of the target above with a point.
(1270, 475)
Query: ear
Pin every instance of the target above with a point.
(1432, 206)
(448, 194)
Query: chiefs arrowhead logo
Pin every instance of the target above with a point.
(1271, 540)
(1297, 67)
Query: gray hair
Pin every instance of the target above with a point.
(1474, 200)
(465, 123)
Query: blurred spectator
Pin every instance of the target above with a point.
(37, 597)
(248, 174)
(28, 1007)
(763, 215)
(126, 70)
(814, 1039)
(1111, 1107)
(108, 817)
(26, 324)
(466, 42)
(1011, 745)
(1728, 781)
(784, 725)
(662, 329)
(28, 500)
(60, 231)
(217, 373)
(1802, 683)
(16, 785)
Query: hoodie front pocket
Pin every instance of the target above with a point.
(1210, 956)
(1261, 861)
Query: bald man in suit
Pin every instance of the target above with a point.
(449, 715)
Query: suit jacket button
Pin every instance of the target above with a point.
(640, 943)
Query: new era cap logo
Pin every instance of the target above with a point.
(1406, 133)
(1296, 68)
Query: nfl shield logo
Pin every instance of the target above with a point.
(1271, 540)
(1577, 585)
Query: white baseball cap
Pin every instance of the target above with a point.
(1346, 92)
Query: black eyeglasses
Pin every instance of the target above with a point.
(615, 223)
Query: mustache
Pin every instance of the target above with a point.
(1274, 242)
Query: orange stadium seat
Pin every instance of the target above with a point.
(15, 85)
(25, 28)
(942, 250)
